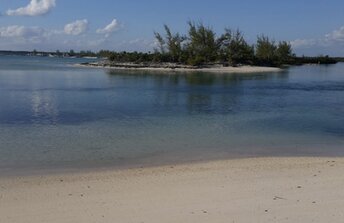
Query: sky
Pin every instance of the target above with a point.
(313, 27)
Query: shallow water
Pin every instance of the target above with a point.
(54, 115)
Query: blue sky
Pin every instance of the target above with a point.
(313, 27)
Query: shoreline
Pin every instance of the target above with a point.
(215, 69)
(79, 169)
(70, 169)
(289, 189)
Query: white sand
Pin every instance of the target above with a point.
(249, 190)
(242, 69)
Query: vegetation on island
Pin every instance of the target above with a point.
(201, 47)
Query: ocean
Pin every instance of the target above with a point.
(55, 116)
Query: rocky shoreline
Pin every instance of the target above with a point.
(218, 68)
(106, 63)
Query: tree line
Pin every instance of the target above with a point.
(202, 46)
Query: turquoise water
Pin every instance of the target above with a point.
(54, 115)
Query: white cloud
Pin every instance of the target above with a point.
(21, 31)
(112, 27)
(332, 39)
(336, 35)
(76, 28)
(17, 37)
(303, 43)
(34, 8)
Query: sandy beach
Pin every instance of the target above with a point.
(243, 190)
(229, 70)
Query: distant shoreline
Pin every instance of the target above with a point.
(170, 67)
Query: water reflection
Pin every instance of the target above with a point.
(199, 92)
(44, 107)
(71, 98)
(195, 78)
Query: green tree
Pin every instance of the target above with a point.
(266, 51)
(284, 52)
(105, 53)
(171, 44)
(202, 44)
(174, 44)
(71, 53)
(235, 49)
(58, 53)
(161, 42)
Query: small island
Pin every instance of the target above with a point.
(201, 49)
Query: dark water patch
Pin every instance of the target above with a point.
(336, 131)
(334, 86)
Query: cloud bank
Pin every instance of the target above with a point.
(21, 31)
(76, 28)
(336, 37)
(34, 8)
(74, 35)
(331, 43)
